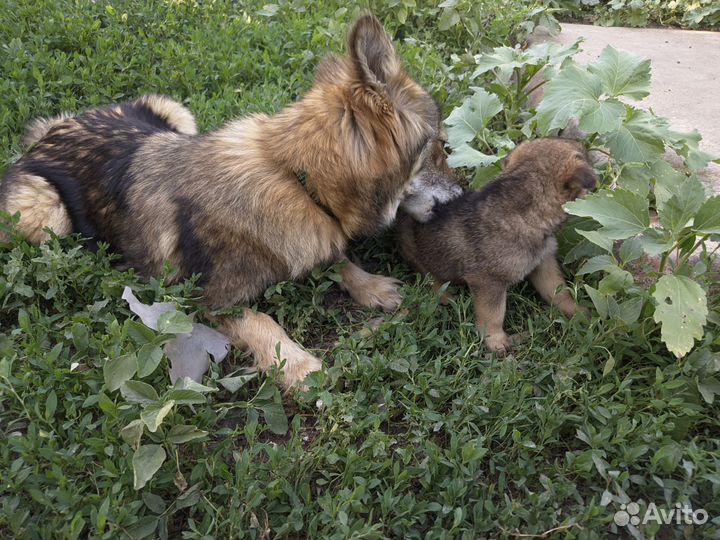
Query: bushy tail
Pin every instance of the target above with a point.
(39, 127)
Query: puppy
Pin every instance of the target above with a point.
(495, 237)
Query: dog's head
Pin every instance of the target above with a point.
(381, 133)
(563, 162)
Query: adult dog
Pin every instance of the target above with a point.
(229, 204)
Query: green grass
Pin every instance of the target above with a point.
(413, 430)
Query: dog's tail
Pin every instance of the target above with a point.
(71, 194)
(39, 127)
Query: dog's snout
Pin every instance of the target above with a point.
(588, 178)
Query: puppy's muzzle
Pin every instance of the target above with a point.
(587, 178)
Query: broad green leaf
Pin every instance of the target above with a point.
(597, 238)
(595, 264)
(668, 457)
(182, 433)
(154, 502)
(119, 370)
(448, 19)
(709, 387)
(602, 116)
(615, 281)
(635, 177)
(186, 383)
(275, 417)
(707, 219)
(466, 121)
(146, 462)
(688, 146)
(465, 156)
(668, 182)
(184, 397)
(504, 59)
(622, 73)
(138, 392)
(269, 10)
(609, 365)
(681, 311)
(142, 528)
(599, 300)
(155, 413)
(655, 242)
(630, 250)
(570, 94)
(483, 175)
(148, 358)
(621, 213)
(639, 139)
(50, 405)
(189, 498)
(233, 384)
(174, 322)
(132, 433)
(549, 52)
(680, 209)
(628, 311)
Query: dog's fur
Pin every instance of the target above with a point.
(229, 204)
(495, 237)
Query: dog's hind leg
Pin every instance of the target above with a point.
(371, 290)
(269, 344)
(39, 205)
(548, 280)
(489, 300)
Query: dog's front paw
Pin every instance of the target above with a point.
(500, 344)
(299, 363)
(379, 292)
(371, 290)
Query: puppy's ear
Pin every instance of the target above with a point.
(372, 53)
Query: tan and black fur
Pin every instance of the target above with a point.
(228, 204)
(495, 237)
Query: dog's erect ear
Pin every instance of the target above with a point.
(372, 52)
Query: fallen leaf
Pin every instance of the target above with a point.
(189, 353)
(149, 315)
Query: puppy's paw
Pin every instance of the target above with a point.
(500, 344)
(570, 308)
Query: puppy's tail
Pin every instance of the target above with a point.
(39, 127)
(71, 195)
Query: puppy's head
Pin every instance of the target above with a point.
(562, 164)
(431, 182)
